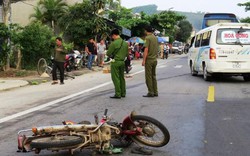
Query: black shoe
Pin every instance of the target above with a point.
(61, 83)
(156, 95)
(115, 97)
(148, 95)
(123, 96)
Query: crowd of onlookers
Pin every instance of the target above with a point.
(96, 52)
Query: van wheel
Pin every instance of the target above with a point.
(206, 75)
(246, 77)
(192, 71)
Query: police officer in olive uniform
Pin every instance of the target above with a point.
(150, 62)
(118, 50)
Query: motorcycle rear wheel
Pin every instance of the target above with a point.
(56, 142)
(150, 129)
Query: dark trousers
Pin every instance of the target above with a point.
(60, 67)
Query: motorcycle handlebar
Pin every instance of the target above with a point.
(105, 112)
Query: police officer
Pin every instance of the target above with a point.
(150, 62)
(118, 50)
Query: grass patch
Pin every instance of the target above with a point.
(21, 73)
(34, 83)
(17, 73)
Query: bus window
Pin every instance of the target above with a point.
(214, 18)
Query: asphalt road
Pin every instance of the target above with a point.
(197, 127)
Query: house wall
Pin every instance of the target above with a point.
(21, 11)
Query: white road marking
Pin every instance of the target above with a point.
(178, 66)
(162, 66)
(51, 103)
(8, 118)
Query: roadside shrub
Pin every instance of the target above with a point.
(4, 46)
(35, 42)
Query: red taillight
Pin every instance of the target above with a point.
(212, 54)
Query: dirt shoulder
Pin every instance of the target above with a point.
(34, 78)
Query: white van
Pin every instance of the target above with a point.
(221, 49)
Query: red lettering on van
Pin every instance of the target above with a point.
(241, 35)
(228, 35)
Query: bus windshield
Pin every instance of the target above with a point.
(214, 18)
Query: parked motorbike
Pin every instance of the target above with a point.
(69, 62)
(85, 135)
(180, 50)
(73, 61)
(79, 60)
(186, 47)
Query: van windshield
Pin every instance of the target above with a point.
(176, 44)
(235, 36)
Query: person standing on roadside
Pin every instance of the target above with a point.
(150, 62)
(90, 49)
(59, 59)
(118, 51)
(101, 47)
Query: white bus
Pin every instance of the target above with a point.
(221, 49)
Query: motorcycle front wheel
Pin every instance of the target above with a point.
(56, 142)
(154, 133)
(41, 66)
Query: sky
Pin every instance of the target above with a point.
(211, 6)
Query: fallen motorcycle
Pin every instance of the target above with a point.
(85, 135)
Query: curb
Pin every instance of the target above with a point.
(6, 85)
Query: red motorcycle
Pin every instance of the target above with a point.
(85, 135)
(69, 63)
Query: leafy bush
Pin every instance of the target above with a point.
(4, 46)
(35, 42)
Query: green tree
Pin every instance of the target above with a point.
(123, 13)
(50, 12)
(135, 24)
(185, 29)
(245, 20)
(247, 8)
(246, 5)
(167, 22)
(16, 53)
(6, 12)
(105, 5)
(78, 22)
(82, 22)
(35, 42)
(102, 8)
(4, 46)
(10, 49)
(38, 15)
